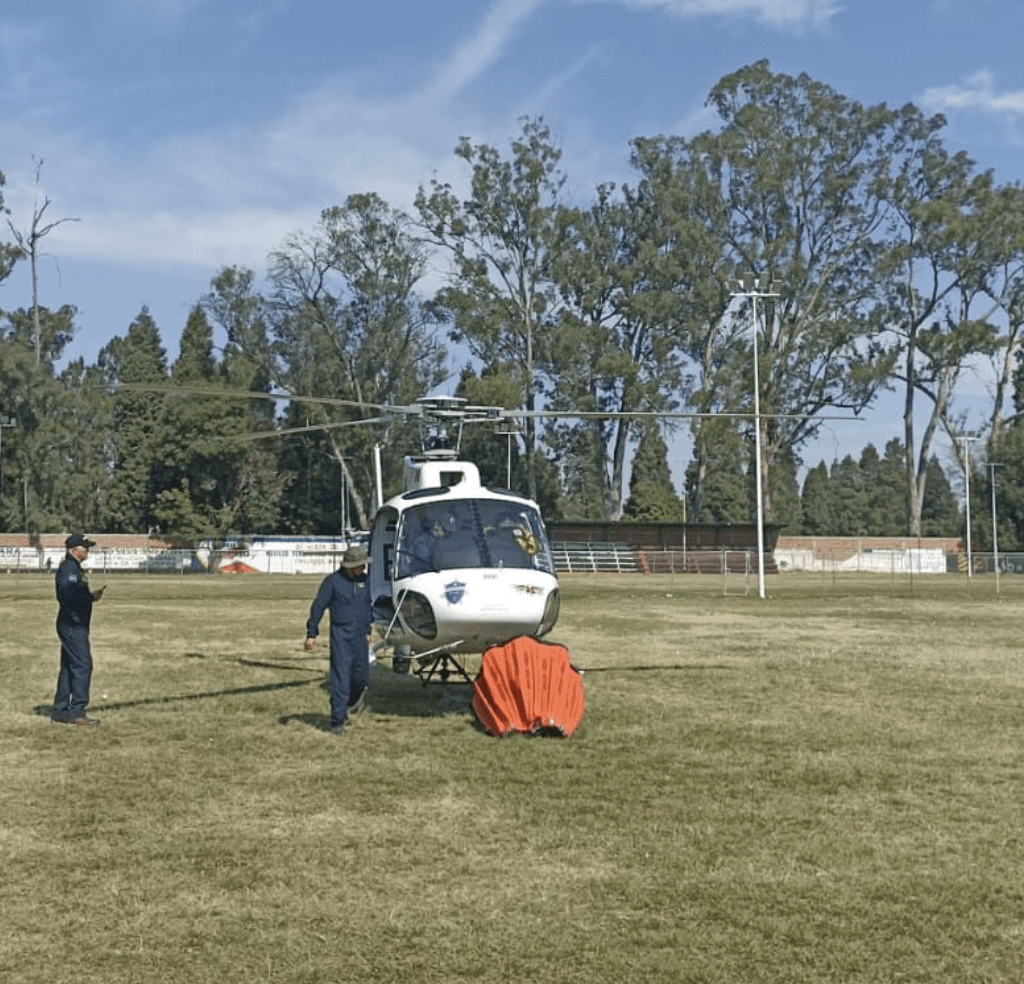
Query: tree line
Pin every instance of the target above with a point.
(842, 243)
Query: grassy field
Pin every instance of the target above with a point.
(824, 786)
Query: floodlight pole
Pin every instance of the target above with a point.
(754, 293)
(967, 495)
(992, 466)
(343, 504)
(378, 476)
(508, 434)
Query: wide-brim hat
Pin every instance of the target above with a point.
(79, 540)
(355, 557)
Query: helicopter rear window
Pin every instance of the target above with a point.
(471, 533)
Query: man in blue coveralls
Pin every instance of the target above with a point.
(75, 598)
(345, 593)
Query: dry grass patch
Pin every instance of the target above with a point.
(820, 787)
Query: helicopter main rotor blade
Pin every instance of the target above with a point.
(442, 411)
(264, 435)
(659, 414)
(174, 389)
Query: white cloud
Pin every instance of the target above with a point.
(781, 14)
(485, 47)
(563, 79)
(231, 194)
(978, 92)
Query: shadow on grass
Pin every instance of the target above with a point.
(666, 668)
(390, 694)
(321, 722)
(405, 695)
(393, 695)
(47, 709)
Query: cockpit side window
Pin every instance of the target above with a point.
(514, 535)
(414, 554)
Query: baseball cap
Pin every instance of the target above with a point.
(79, 540)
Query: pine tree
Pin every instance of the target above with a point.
(849, 498)
(218, 480)
(883, 480)
(139, 427)
(724, 485)
(816, 502)
(652, 496)
(785, 492)
(940, 511)
(1010, 489)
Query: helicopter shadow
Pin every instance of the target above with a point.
(389, 694)
(45, 710)
(121, 705)
(392, 695)
(657, 668)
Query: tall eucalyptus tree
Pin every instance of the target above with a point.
(686, 228)
(612, 350)
(943, 239)
(30, 246)
(348, 322)
(10, 253)
(801, 168)
(1001, 279)
(31, 402)
(789, 190)
(235, 308)
(503, 240)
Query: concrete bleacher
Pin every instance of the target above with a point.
(596, 557)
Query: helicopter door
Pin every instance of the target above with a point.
(382, 554)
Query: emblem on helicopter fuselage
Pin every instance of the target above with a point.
(454, 592)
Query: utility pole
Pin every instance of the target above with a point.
(754, 293)
(8, 422)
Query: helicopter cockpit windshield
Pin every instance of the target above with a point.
(471, 533)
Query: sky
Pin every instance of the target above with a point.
(185, 135)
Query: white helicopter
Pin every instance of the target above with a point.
(456, 567)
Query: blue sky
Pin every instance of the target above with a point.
(189, 134)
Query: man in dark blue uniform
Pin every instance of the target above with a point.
(345, 594)
(75, 598)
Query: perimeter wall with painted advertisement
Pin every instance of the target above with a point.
(620, 550)
(151, 555)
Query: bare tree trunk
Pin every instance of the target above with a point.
(30, 245)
